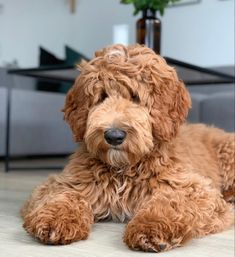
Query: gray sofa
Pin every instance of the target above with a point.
(38, 126)
(213, 105)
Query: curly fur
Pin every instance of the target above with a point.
(172, 181)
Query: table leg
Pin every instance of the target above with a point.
(8, 127)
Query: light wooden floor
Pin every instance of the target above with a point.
(104, 241)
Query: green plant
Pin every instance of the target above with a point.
(155, 5)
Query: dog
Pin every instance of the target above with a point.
(138, 161)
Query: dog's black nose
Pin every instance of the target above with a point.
(114, 136)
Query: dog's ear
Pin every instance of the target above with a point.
(76, 110)
(171, 102)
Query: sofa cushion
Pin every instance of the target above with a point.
(37, 125)
(194, 115)
(218, 110)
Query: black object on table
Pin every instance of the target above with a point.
(190, 74)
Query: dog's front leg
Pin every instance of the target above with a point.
(56, 214)
(175, 215)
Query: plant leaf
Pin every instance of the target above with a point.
(155, 5)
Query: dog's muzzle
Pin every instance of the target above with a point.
(114, 136)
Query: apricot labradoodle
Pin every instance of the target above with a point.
(138, 161)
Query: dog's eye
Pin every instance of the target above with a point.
(135, 98)
(103, 96)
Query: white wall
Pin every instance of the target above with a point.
(202, 34)
(26, 24)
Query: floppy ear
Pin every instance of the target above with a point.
(171, 102)
(76, 110)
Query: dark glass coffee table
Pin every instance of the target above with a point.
(190, 74)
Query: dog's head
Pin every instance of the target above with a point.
(125, 101)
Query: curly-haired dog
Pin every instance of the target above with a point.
(137, 161)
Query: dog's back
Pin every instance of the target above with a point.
(211, 152)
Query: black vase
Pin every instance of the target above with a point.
(148, 30)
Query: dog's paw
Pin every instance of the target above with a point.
(59, 223)
(149, 237)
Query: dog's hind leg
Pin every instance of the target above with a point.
(225, 150)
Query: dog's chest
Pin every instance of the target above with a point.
(118, 198)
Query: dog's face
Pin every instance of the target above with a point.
(124, 102)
